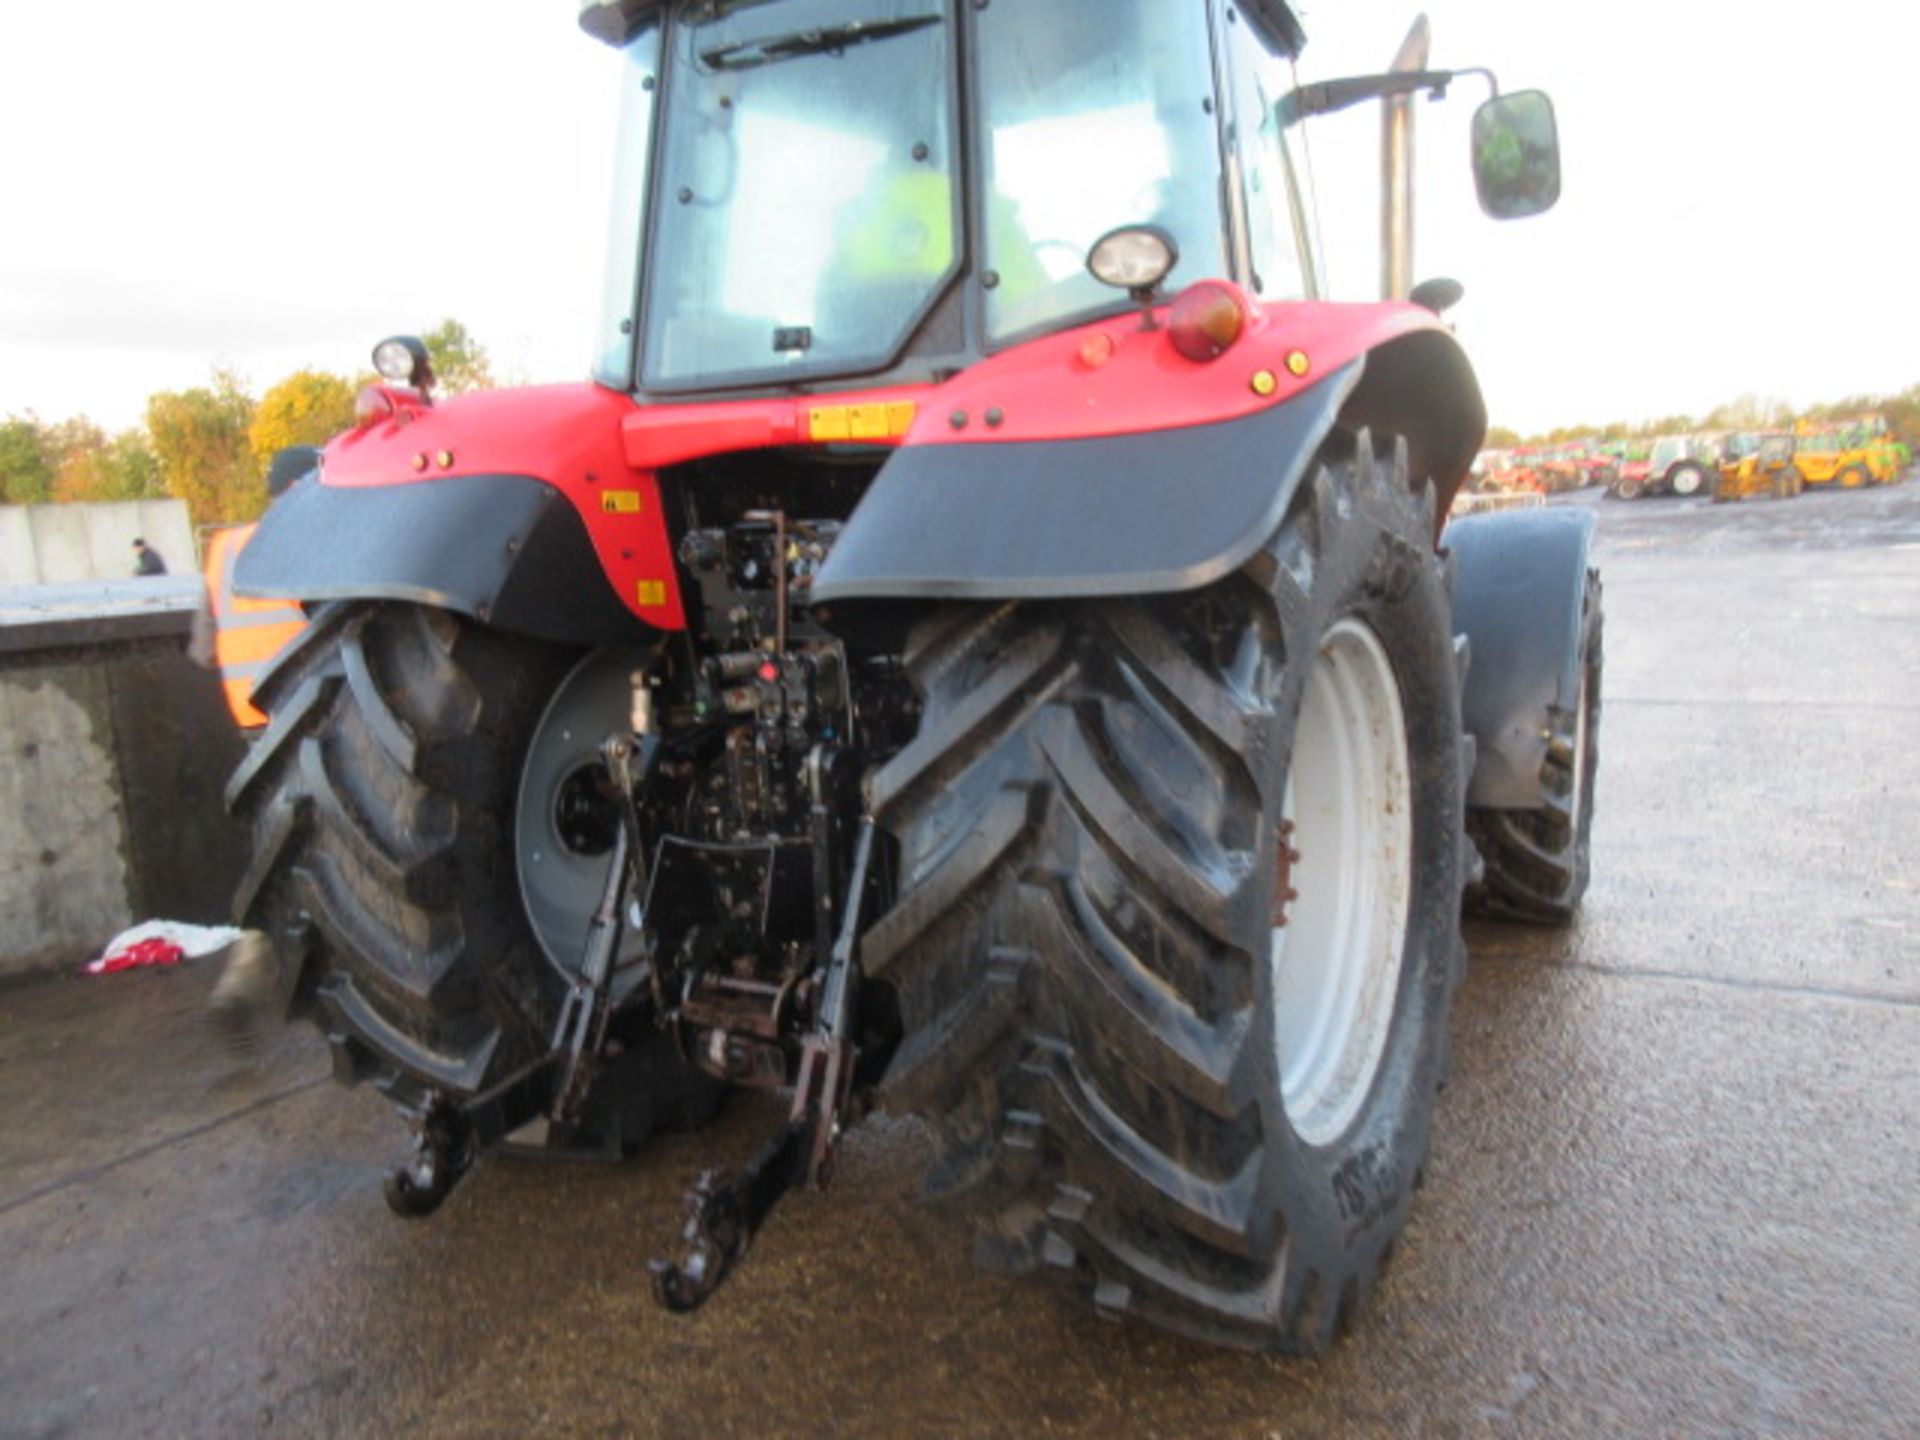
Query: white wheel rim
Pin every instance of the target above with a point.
(1337, 959)
(1580, 749)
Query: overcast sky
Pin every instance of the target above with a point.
(266, 186)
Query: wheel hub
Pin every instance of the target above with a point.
(564, 823)
(585, 818)
(1337, 944)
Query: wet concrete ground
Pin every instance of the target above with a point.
(1674, 1188)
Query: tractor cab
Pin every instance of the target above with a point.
(832, 191)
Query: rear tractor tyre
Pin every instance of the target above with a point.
(1537, 862)
(388, 865)
(1177, 924)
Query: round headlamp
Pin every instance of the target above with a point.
(394, 359)
(403, 360)
(1134, 258)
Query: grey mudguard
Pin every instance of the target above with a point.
(1159, 511)
(508, 550)
(1518, 585)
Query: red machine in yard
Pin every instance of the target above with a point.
(1676, 465)
(982, 645)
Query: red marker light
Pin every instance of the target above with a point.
(1205, 321)
(769, 671)
(372, 405)
(1096, 350)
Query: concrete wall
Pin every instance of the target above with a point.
(62, 543)
(18, 564)
(63, 830)
(113, 757)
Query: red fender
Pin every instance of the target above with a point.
(1115, 378)
(568, 436)
(603, 450)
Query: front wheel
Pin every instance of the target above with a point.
(1537, 862)
(1178, 917)
(1854, 477)
(1687, 480)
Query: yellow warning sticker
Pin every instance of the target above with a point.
(619, 502)
(652, 593)
(886, 421)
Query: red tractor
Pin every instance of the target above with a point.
(982, 645)
(1676, 465)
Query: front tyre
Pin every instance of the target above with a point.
(1687, 480)
(1537, 862)
(1178, 917)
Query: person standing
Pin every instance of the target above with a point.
(146, 560)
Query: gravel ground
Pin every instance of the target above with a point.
(1673, 1190)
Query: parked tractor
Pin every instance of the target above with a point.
(1574, 466)
(983, 645)
(1676, 465)
(1505, 472)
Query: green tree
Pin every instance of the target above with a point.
(1903, 415)
(309, 407)
(460, 362)
(1499, 437)
(200, 437)
(129, 468)
(75, 447)
(1671, 425)
(1750, 412)
(26, 465)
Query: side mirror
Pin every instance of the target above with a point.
(1516, 155)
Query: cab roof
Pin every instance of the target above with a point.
(617, 21)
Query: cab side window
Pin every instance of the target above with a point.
(1277, 227)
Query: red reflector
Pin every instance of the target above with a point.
(1096, 350)
(1206, 319)
(372, 405)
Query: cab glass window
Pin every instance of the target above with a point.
(1277, 229)
(1097, 114)
(613, 355)
(807, 203)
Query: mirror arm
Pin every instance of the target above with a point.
(1327, 96)
(1493, 83)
